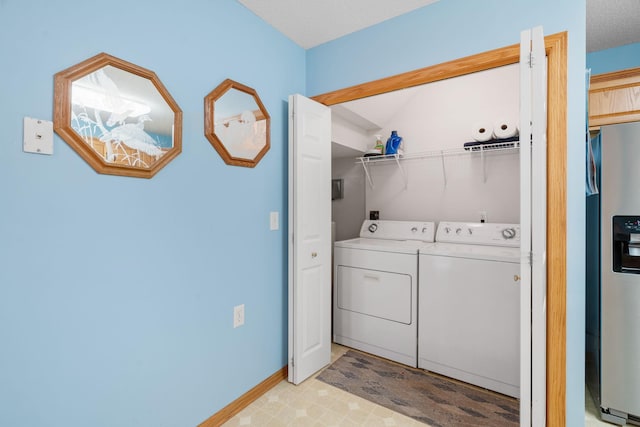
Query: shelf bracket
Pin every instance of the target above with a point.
(484, 168)
(366, 172)
(402, 171)
(444, 169)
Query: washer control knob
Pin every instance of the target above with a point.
(414, 229)
(509, 233)
(424, 229)
(458, 230)
(447, 230)
(373, 227)
(470, 230)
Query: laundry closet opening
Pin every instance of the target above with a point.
(556, 135)
(453, 315)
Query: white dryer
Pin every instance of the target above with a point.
(375, 290)
(469, 303)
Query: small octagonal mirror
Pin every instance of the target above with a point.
(117, 116)
(237, 124)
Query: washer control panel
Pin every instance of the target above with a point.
(398, 230)
(476, 233)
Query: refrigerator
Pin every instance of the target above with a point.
(616, 386)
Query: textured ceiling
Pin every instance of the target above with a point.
(610, 23)
(313, 22)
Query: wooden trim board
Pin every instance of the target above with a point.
(614, 98)
(229, 411)
(556, 47)
(630, 76)
(557, 229)
(459, 67)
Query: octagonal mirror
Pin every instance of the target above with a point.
(237, 124)
(117, 116)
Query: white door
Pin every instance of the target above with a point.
(309, 237)
(533, 207)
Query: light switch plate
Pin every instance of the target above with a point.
(238, 315)
(38, 136)
(274, 221)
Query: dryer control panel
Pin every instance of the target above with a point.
(398, 230)
(476, 233)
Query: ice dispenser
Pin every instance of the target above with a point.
(626, 244)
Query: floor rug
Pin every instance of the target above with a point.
(423, 396)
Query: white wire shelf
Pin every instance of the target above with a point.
(484, 148)
(480, 149)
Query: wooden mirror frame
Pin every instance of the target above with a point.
(209, 123)
(63, 81)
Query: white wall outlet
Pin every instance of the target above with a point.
(38, 136)
(274, 221)
(483, 216)
(238, 315)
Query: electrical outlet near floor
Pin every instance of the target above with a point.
(483, 216)
(238, 315)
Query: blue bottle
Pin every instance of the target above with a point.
(393, 143)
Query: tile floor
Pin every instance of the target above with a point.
(314, 403)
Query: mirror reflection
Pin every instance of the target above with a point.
(122, 117)
(239, 124)
(117, 116)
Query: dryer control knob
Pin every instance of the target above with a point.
(458, 230)
(414, 229)
(447, 230)
(509, 233)
(373, 227)
(424, 229)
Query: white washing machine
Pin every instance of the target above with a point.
(469, 303)
(375, 294)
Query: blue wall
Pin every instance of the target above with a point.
(450, 29)
(117, 294)
(614, 59)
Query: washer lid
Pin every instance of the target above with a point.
(481, 252)
(382, 245)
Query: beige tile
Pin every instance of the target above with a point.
(376, 421)
(273, 407)
(250, 418)
(392, 421)
(260, 418)
(304, 422)
(358, 416)
(276, 422)
(345, 422)
(331, 418)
